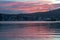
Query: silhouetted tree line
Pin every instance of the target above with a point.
(39, 16)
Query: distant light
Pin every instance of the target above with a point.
(55, 1)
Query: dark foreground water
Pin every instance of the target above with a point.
(30, 31)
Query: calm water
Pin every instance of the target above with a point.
(30, 31)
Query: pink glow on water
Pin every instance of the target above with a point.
(29, 31)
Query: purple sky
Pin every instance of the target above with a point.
(15, 7)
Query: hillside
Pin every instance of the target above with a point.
(38, 16)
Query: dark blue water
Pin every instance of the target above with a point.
(30, 31)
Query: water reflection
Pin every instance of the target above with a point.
(31, 31)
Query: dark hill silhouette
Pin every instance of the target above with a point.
(53, 15)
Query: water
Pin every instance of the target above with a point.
(30, 31)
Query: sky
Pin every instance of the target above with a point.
(27, 6)
(53, 1)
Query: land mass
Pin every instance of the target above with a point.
(53, 15)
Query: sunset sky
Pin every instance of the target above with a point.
(53, 1)
(27, 6)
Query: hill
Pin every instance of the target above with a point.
(53, 15)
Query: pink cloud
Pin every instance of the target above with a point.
(36, 8)
(28, 7)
